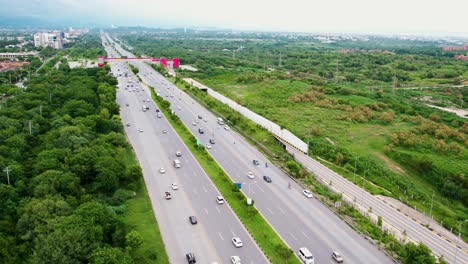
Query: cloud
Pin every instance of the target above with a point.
(296, 15)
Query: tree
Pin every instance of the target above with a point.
(417, 254)
(54, 182)
(109, 255)
(133, 241)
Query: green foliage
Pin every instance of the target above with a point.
(66, 172)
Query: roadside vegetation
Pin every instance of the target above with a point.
(266, 238)
(71, 189)
(347, 99)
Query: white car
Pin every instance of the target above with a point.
(194, 124)
(235, 260)
(178, 154)
(237, 242)
(226, 127)
(162, 170)
(337, 257)
(250, 175)
(308, 193)
(208, 146)
(164, 131)
(174, 186)
(219, 199)
(147, 100)
(141, 129)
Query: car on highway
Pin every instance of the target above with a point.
(200, 117)
(179, 107)
(212, 141)
(164, 131)
(337, 257)
(226, 127)
(256, 162)
(167, 195)
(201, 131)
(178, 154)
(306, 256)
(147, 100)
(208, 146)
(307, 193)
(194, 124)
(127, 124)
(193, 220)
(190, 258)
(174, 186)
(127, 104)
(267, 178)
(162, 170)
(206, 120)
(237, 242)
(235, 260)
(250, 175)
(141, 129)
(219, 199)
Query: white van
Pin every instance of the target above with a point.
(143, 108)
(177, 163)
(159, 115)
(220, 121)
(306, 256)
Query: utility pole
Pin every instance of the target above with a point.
(40, 110)
(458, 240)
(30, 128)
(7, 170)
(355, 164)
(432, 203)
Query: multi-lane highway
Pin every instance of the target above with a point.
(300, 221)
(210, 238)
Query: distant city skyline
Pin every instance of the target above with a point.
(340, 16)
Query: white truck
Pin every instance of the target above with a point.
(220, 121)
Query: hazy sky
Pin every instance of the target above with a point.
(373, 16)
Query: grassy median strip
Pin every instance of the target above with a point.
(267, 239)
(139, 216)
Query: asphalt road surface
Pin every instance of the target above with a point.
(300, 221)
(210, 239)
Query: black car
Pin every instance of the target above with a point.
(267, 178)
(193, 220)
(201, 131)
(157, 110)
(256, 162)
(200, 117)
(190, 258)
(212, 141)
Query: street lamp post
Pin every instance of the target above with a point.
(458, 240)
(363, 189)
(432, 203)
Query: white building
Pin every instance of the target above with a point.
(53, 40)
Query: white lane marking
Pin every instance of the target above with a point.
(281, 210)
(271, 212)
(206, 210)
(217, 209)
(292, 236)
(195, 191)
(233, 234)
(205, 189)
(258, 186)
(305, 235)
(220, 236)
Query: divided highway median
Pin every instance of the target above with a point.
(267, 239)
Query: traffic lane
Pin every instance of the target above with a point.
(289, 214)
(181, 245)
(388, 213)
(324, 256)
(196, 194)
(380, 208)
